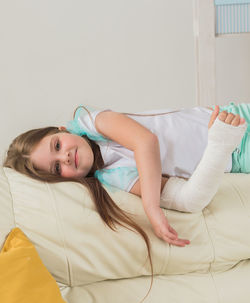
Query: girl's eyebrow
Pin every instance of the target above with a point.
(51, 149)
(51, 145)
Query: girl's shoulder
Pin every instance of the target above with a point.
(83, 122)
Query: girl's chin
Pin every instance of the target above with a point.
(80, 175)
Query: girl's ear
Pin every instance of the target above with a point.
(62, 128)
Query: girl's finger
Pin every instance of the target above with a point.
(230, 117)
(172, 231)
(170, 235)
(165, 233)
(178, 242)
(242, 120)
(223, 116)
(214, 115)
(236, 120)
(175, 241)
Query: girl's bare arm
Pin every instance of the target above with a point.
(136, 189)
(145, 146)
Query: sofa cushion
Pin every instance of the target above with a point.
(78, 248)
(70, 237)
(230, 286)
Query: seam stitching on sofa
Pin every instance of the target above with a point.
(213, 261)
(217, 292)
(213, 248)
(210, 238)
(166, 252)
(12, 199)
(62, 234)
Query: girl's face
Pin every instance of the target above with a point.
(63, 154)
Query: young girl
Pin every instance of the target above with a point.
(151, 155)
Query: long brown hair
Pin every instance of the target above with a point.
(18, 158)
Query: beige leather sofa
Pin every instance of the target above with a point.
(93, 264)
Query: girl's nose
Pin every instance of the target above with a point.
(66, 158)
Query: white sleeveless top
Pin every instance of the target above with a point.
(182, 138)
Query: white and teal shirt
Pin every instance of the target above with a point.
(182, 138)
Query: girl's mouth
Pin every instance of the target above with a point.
(76, 159)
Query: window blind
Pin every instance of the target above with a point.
(232, 16)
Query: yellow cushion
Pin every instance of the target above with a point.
(23, 276)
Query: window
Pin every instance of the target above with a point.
(232, 16)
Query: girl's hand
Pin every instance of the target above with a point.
(163, 230)
(225, 117)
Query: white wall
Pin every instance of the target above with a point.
(128, 55)
(233, 68)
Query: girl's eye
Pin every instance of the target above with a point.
(57, 145)
(57, 168)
